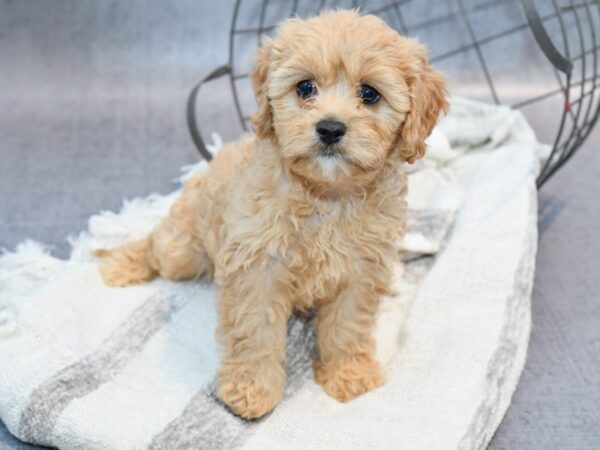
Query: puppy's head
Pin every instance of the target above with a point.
(341, 93)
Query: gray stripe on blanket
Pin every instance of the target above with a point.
(503, 361)
(431, 223)
(49, 400)
(416, 268)
(206, 424)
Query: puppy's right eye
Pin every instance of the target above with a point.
(306, 89)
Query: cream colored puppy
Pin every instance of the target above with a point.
(305, 213)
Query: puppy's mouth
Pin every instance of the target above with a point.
(329, 151)
(328, 162)
(334, 155)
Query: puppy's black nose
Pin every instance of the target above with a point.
(330, 131)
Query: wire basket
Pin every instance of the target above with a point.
(540, 57)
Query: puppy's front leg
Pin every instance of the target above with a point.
(254, 307)
(345, 365)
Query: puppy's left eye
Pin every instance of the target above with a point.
(368, 94)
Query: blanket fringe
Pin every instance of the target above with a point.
(21, 271)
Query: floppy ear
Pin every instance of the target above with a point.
(262, 119)
(428, 99)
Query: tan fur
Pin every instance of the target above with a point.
(281, 228)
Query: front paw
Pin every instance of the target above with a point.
(350, 378)
(248, 393)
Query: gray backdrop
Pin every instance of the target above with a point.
(92, 97)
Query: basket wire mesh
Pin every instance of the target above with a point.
(495, 40)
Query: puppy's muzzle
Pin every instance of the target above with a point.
(330, 131)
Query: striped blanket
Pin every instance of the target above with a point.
(85, 366)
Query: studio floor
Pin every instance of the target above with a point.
(92, 99)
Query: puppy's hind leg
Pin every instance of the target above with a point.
(173, 250)
(177, 252)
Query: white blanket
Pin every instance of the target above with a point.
(85, 366)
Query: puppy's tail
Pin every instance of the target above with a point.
(127, 264)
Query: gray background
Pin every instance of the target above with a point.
(91, 111)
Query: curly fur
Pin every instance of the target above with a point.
(282, 228)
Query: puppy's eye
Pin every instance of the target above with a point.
(305, 89)
(368, 94)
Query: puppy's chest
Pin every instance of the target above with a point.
(315, 255)
(325, 247)
(315, 238)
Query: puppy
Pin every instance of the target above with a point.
(307, 212)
